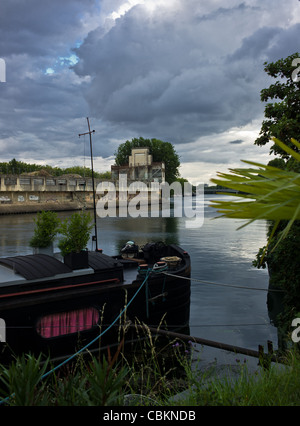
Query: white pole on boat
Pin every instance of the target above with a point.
(93, 183)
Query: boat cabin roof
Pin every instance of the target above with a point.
(34, 266)
(39, 266)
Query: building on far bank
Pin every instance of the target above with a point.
(39, 190)
(31, 192)
(140, 168)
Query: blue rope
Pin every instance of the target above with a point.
(93, 341)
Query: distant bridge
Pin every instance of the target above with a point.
(215, 191)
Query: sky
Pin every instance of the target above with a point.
(187, 72)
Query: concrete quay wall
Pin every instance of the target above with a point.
(34, 202)
(30, 194)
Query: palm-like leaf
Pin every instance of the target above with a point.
(265, 192)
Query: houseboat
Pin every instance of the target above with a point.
(51, 307)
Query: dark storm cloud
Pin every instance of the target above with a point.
(38, 110)
(38, 27)
(236, 142)
(181, 74)
(184, 72)
(270, 43)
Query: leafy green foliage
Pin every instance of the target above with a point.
(106, 383)
(21, 382)
(281, 256)
(75, 233)
(46, 227)
(18, 167)
(283, 114)
(94, 384)
(161, 151)
(277, 386)
(283, 263)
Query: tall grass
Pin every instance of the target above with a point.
(154, 373)
(277, 386)
(85, 384)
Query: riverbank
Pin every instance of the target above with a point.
(224, 314)
(8, 209)
(57, 206)
(110, 383)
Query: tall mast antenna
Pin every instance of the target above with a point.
(93, 183)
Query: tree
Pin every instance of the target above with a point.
(13, 166)
(161, 151)
(17, 167)
(283, 116)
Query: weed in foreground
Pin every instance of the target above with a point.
(155, 373)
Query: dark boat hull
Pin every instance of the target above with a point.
(60, 316)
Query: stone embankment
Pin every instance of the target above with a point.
(32, 193)
(35, 192)
(6, 209)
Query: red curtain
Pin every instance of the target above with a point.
(67, 322)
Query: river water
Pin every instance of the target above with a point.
(219, 253)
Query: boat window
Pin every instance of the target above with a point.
(63, 323)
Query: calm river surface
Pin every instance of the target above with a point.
(219, 252)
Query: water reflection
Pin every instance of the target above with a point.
(219, 253)
(15, 233)
(115, 232)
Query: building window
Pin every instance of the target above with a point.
(10, 181)
(38, 181)
(63, 323)
(62, 181)
(25, 181)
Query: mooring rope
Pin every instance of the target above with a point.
(222, 284)
(92, 341)
(147, 274)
